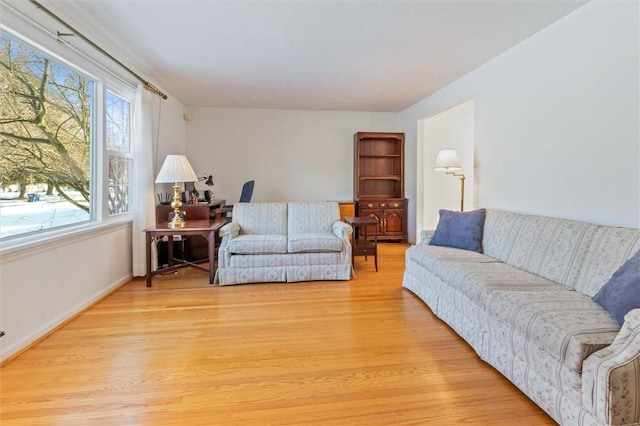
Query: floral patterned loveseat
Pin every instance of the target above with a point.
(525, 306)
(284, 242)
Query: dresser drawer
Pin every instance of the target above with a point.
(369, 205)
(394, 205)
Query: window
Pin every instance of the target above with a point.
(118, 144)
(52, 156)
(46, 132)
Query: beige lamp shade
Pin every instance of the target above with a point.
(447, 161)
(176, 168)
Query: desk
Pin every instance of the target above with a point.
(214, 204)
(205, 228)
(362, 246)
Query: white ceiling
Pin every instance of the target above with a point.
(343, 55)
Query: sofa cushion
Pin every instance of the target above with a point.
(258, 244)
(316, 242)
(261, 218)
(622, 292)
(500, 230)
(550, 247)
(475, 275)
(460, 230)
(435, 258)
(507, 349)
(609, 249)
(566, 324)
(312, 217)
(480, 282)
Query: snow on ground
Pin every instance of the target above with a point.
(19, 216)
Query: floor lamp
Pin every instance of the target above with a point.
(176, 169)
(447, 161)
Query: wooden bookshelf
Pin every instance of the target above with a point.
(379, 182)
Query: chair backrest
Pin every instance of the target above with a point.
(192, 212)
(247, 191)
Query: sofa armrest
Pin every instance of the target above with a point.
(425, 236)
(227, 232)
(610, 376)
(231, 229)
(342, 229)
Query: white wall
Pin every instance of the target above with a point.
(44, 285)
(292, 155)
(450, 129)
(171, 137)
(556, 120)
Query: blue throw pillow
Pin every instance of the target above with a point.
(460, 230)
(622, 292)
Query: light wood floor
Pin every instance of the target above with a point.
(363, 352)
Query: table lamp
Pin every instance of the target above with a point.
(447, 161)
(176, 169)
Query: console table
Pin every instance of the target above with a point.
(205, 228)
(362, 246)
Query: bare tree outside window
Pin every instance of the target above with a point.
(46, 120)
(118, 144)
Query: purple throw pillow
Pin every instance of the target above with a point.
(460, 230)
(622, 292)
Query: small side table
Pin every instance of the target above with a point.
(362, 246)
(205, 228)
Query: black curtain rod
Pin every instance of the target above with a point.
(150, 87)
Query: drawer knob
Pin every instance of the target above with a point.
(369, 205)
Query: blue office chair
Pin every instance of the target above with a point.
(245, 197)
(247, 191)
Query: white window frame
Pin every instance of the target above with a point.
(105, 75)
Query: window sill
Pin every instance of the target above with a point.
(46, 241)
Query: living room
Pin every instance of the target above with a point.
(555, 132)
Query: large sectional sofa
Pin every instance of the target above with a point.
(284, 242)
(525, 306)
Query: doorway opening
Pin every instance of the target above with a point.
(452, 128)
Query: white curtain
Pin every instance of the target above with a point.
(146, 120)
